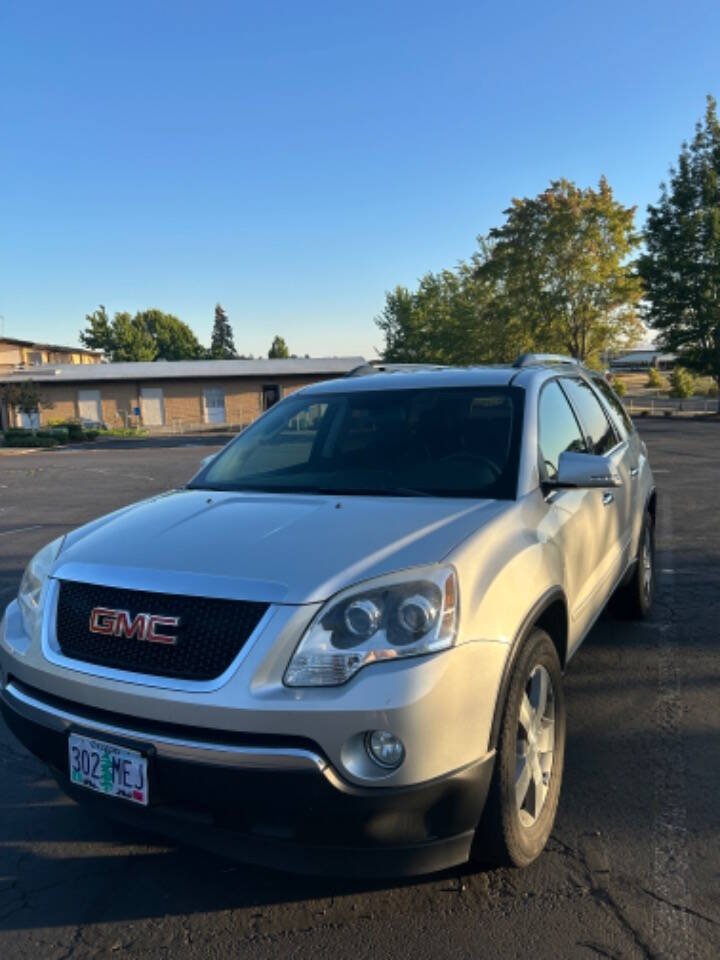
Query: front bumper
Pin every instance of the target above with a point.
(272, 801)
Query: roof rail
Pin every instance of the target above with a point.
(368, 368)
(537, 359)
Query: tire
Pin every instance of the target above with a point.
(634, 599)
(520, 812)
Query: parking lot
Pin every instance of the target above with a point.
(632, 869)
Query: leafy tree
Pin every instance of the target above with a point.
(681, 266)
(174, 340)
(130, 340)
(455, 317)
(560, 263)
(554, 277)
(682, 383)
(222, 344)
(278, 350)
(149, 335)
(23, 396)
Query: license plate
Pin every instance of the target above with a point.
(107, 768)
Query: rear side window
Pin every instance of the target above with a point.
(558, 429)
(599, 433)
(617, 410)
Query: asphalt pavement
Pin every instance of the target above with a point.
(633, 866)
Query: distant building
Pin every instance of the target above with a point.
(27, 353)
(169, 395)
(642, 359)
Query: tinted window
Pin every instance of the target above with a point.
(558, 429)
(449, 442)
(617, 410)
(600, 435)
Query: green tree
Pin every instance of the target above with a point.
(222, 344)
(682, 383)
(560, 265)
(148, 335)
(278, 350)
(454, 317)
(681, 266)
(23, 396)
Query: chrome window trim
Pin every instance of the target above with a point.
(198, 751)
(52, 652)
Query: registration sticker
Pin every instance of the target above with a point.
(107, 768)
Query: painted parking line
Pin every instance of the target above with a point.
(8, 533)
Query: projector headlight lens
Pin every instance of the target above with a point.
(402, 615)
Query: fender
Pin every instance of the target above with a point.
(530, 620)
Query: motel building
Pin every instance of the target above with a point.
(167, 396)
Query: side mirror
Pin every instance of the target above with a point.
(586, 470)
(206, 460)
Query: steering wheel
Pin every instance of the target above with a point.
(474, 458)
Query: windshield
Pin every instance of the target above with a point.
(436, 443)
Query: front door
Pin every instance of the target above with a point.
(577, 520)
(214, 398)
(152, 406)
(29, 421)
(89, 405)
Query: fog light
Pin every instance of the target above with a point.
(385, 748)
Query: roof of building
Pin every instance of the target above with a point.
(49, 346)
(183, 369)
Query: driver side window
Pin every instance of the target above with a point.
(558, 430)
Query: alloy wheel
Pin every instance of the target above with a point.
(535, 745)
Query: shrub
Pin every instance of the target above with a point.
(31, 441)
(92, 434)
(712, 391)
(620, 387)
(654, 379)
(61, 434)
(682, 383)
(668, 413)
(18, 432)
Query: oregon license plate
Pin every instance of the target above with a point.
(107, 768)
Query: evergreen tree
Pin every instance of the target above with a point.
(222, 345)
(681, 266)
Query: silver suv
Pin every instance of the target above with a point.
(340, 647)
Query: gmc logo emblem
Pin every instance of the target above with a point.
(143, 626)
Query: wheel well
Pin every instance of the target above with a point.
(554, 621)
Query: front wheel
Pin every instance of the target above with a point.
(524, 793)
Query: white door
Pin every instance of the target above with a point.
(151, 404)
(29, 421)
(214, 404)
(89, 405)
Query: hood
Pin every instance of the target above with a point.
(276, 548)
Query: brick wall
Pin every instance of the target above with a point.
(182, 399)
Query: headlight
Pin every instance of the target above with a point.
(32, 585)
(403, 615)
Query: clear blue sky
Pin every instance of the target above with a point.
(295, 160)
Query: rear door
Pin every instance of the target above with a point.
(635, 454)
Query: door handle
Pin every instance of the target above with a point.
(634, 471)
(608, 498)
